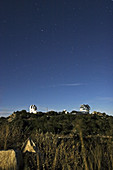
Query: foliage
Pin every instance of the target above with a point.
(65, 141)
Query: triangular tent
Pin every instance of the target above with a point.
(29, 146)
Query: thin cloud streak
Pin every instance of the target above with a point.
(106, 98)
(72, 84)
(5, 113)
(67, 84)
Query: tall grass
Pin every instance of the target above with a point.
(72, 152)
(83, 149)
(75, 152)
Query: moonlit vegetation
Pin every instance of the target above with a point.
(64, 141)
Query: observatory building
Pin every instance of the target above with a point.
(84, 108)
(33, 109)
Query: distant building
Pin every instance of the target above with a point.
(98, 113)
(65, 111)
(33, 109)
(74, 112)
(84, 108)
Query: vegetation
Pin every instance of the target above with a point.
(65, 141)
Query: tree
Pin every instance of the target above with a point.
(88, 107)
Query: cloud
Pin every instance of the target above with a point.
(67, 84)
(5, 113)
(106, 98)
(71, 84)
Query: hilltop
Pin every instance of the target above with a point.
(21, 125)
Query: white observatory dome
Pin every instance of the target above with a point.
(33, 109)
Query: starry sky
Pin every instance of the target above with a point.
(56, 54)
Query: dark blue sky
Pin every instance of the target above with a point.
(57, 54)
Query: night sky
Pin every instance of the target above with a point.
(56, 54)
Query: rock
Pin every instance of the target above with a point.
(11, 117)
(10, 160)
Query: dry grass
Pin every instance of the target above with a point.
(79, 154)
(67, 153)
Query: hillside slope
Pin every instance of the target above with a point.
(65, 141)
